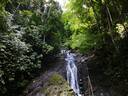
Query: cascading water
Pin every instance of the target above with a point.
(72, 73)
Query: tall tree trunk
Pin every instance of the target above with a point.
(45, 21)
(110, 24)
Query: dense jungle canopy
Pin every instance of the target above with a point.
(32, 32)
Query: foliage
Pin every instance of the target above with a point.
(101, 26)
(33, 30)
(81, 22)
(29, 32)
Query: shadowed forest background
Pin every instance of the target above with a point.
(32, 33)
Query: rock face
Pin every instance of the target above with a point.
(87, 80)
(51, 83)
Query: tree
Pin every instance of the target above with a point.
(23, 50)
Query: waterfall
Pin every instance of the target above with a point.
(71, 68)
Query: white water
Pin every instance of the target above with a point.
(72, 73)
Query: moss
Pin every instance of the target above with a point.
(57, 86)
(56, 79)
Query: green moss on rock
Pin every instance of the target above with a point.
(57, 86)
(56, 79)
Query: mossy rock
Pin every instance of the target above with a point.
(56, 79)
(57, 86)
